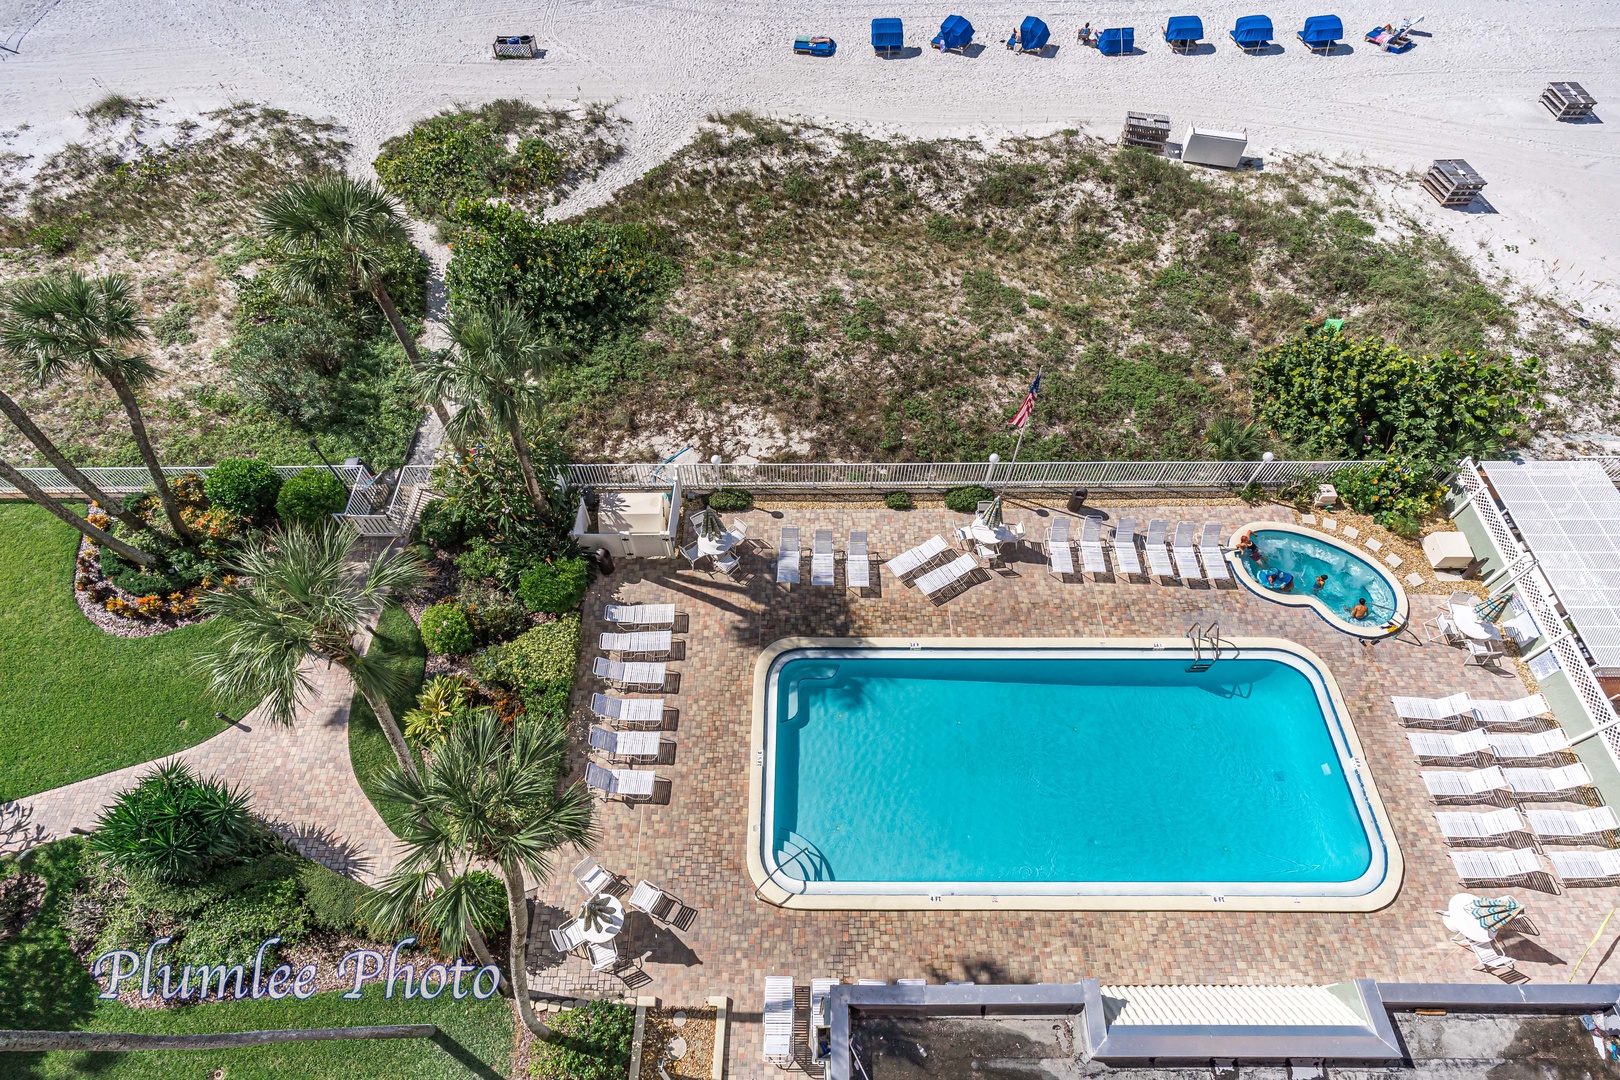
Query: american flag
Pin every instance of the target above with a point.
(1021, 418)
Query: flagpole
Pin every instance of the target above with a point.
(1019, 445)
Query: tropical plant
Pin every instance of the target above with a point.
(460, 155)
(966, 500)
(311, 497)
(899, 500)
(244, 486)
(446, 630)
(442, 702)
(556, 585)
(1230, 439)
(489, 796)
(496, 372)
(1397, 494)
(57, 460)
(594, 1044)
(71, 321)
(175, 827)
(36, 494)
(298, 600)
(730, 500)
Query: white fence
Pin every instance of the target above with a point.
(387, 504)
(130, 480)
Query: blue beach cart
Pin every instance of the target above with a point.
(888, 37)
(1032, 36)
(955, 34)
(810, 45)
(1183, 32)
(1252, 33)
(1322, 33)
(1117, 41)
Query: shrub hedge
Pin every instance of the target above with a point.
(244, 486)
(965, 500)
(310, 498)
(556, 585)
(446, 630)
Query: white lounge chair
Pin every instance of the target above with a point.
(914, 559)
(778, 1016)
(1559, 781)
(1490, 711)
(911, 982)
(604, 955)
(857, 562)
(640, 616)
(1527, 747)
(1461, 825)
(1433, 710)
(1059, 554)
(1571, 826)
(654, 902)
(1187, 568)
(1125, 558)
(871, 982)
(1444, 746)
(1489, 958)
(635, 673)
(1488, 866)
(639, 643)
(1092, 560)
(822, 565)
(568, 937)
(624, 745)
(1586, 865)
(1472, 785)
(627, 784)
(819, 1019)
(1209, 549)
(592, 876)
(629, 710)
(937, 581)
(1158, 557)
(788, 556)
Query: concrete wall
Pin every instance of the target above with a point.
(1479, 537)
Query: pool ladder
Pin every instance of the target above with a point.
(1206, 643)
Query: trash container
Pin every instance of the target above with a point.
(1077, 500)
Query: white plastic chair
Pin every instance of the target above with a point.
(568, 937)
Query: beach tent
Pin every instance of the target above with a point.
(954, 33)
(1322, 32)
(1033, 35)
(887, 36)
(1252, 32)
(1118, 41)
(1183, 32)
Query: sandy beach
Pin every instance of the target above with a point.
(1469, 89)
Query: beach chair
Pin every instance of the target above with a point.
(857, 562)
(1487, 957)
(1321, 33)
(1392, 38)
(822, 565)
(914, 559)
(820, 1019)
(1209, 549)
(778, 1018)
(1558, 782)
(814, 45)
(623, 674)
(629, 711)
(1461, 825)
(659, 904)
(1491, 712)
(1125, 560)
(569, 936)
(1157, 556)
(624, 745)
(604, 956)
(592, 876)
(1183, 33)
(1033, 34)
(1117, 41)
(727, 563)
(788, 556)
(1092, 560)
(1414, 711)
(888, 37)
(955, 34)
(1182, 549)
(1491, 866)
(1059, 555)
(627, 784)
(935, 583)
(638, 642)
(1444, 746)
(1573, 826)
(1573, 866)
(1469, 786)
(1252, 33)
(640, 616)
(1528, 747)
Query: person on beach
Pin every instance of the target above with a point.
(1085, 34)
(1321, 581)
(1360, 610)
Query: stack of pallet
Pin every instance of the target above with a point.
(1453, 182)
(1147, 131)
(1568, 101)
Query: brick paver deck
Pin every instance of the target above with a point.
(693, 844)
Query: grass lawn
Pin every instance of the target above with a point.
(400, 645)
(74, 701)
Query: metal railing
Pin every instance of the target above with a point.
(1561, 639)
(130, 480)
(387, 504)
(1610, 463)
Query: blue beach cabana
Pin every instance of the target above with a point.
(954, 33)
(887, 36)
(1033, 35)
(1322, 32)
(1117, 41)
(1252, 32)
(1183, 33)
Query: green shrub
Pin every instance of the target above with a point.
(966, 500)
(244, 486)
(494, 615)
(311, 497)
(483, 561)
(731, 501)
(334, 901)
(490, 912)
(1398, 494)
(899, 500)
(176, 827)
(556, 585)
(446, 631)
(442, 703)
(594, 1044)
(439, 527)
(231, 930)
(536, 661)
(457, 156)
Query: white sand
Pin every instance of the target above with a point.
(1470, 90)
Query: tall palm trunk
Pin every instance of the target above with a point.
(379, 292)
(137, 427)
(396, 741)
(42, 442)
(517, 905)
(530, 480)
(17, 480)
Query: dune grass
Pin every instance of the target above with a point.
(399, 643)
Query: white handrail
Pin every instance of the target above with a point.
(129, 480)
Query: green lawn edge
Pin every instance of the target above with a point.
(398, 643)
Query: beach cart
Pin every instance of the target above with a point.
(1117, 41)
(1252, 33)
(1568, 101)
(1031, 37)
(1204, 146)
(1183, 32)
(1322, 33)
(514, 47)
(814, 46)
(955, 34)
(887, 37)
(1146, 131)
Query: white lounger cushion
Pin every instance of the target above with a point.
(1187, 568)
(1534, 745)
(952, 572)
(1439, 744)
(640, 614)
(625, 743)
(778, 1017)
(1473, 782)
(1586, 865)
(1153, 547)
(1059, 556)
(857, 563)
(631, 674)
(1422, 708)
(1489, 711)
(1495, 865)
(788, 557)
(1462, 825)
(1549, 824)
(630, 710)
(628, 782)
(639, 641)
(1548, 781)
(1209, 548)
(1125, 548)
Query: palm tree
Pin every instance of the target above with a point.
(42, 442)
(70, 320)
(486, 797)
(1230, 439)
(332, 235)
(300, 598)
(32, 490)
(496, 371)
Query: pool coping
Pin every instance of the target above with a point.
(1403, 609)
(767, 889)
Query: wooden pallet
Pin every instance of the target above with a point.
(1148, 131)
(1453, 182)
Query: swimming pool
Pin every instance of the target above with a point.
(1059, 774)
(1351, 577)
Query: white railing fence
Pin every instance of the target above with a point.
(387, 505)
(130, 480)
(1610, 463)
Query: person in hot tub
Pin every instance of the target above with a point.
(1321, 583)
(1359, 612)
(1280, 580)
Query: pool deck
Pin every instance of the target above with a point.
(691, 839)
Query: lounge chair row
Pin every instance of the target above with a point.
(1182, 33)
(1478, 744)
(1548, 826)
(1169, 557)
(634, 734)
(1493, 781)
(1460, 709)
(1517, 864)
(823, 559)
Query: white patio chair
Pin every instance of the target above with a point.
(1186, 559)
(1092, 560)
(1572, 826)
(937, 581)
(568, 937)
(1488, 866)
(622, 673)
(1559, 781)
(1059, 555)
(738, 533)
(788, 556)
(629, 710)
(1472, 785)
(822, 560)
(624, 745)
(1491, 711)
(691, 554)
(1485, 653)
(1440, 630)
(857, 562)
(1490, 958)
(1433, 710)
(1527, 747)
(627, 784)
(638, 642)
(727, 564)
(1456, 825)
(778, 1020)
(1158, 556)
(640, 616)
(1125, 549)
(1209, 549)
(1443, 746)
(592, 876)
(604, 955)
(820, 1022)
(1575, 866)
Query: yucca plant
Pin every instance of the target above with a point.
(176, 827)
(441, 703)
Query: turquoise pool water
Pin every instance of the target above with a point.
(1070, 767)
(1349, 577)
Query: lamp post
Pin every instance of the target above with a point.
(313, 445)
(995, 459)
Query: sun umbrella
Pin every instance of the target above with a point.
(992, 513)
(596, 913)
(1494, 913)
(708, 526)
(1490, 609)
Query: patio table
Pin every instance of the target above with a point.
(718, 546)
(1459, 918)
(608, 928)
(988, 535)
